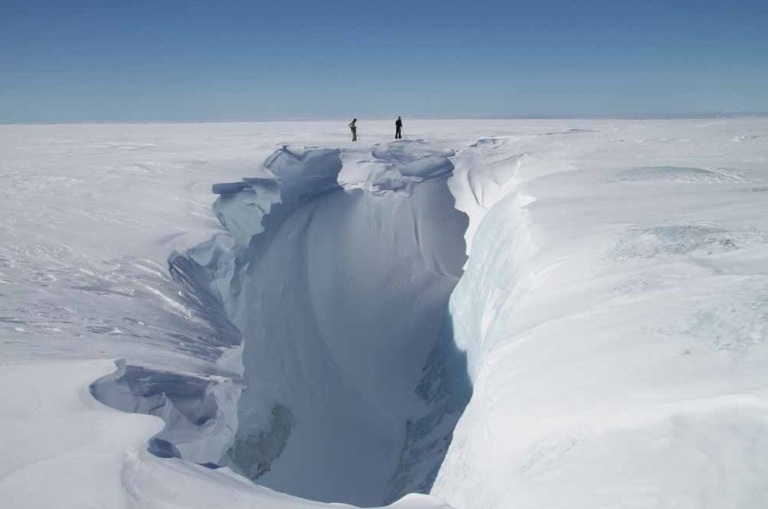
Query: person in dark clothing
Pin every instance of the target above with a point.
(353, 128)
(399, 129)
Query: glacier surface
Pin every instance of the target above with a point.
(322, 329)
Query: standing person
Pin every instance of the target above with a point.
(399, 129)
(353, 128)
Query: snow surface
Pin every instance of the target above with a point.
(609, 323)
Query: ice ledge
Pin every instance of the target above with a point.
(303, 172)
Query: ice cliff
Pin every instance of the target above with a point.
(336, 271)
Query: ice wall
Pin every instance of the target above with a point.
(200, 411)
(337, 273)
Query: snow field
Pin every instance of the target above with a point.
(610, 318)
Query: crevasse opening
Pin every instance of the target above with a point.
(335, 270)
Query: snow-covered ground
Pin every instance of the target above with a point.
(609, 324)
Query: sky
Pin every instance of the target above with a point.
(196, 60)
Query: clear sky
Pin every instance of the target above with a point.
(143, 60)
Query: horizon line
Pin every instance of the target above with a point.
(660, 116)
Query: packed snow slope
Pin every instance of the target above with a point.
(611, 316)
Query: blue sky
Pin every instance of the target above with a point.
(178, 60)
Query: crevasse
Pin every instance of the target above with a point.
(336, 270)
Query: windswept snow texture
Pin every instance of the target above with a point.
(611, 316)
(340, 292)
(614, 310)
